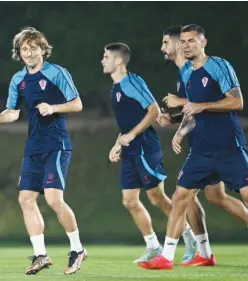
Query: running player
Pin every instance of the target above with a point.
(48, 93)
(217, 143)
(138, 147)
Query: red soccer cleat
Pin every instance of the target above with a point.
(158, 262)
(199, 261)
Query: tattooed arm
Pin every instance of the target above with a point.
(233, 101)
(187, 125)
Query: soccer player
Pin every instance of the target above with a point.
(217, 143)
(48, 93)
(138, 147)
(171, 48)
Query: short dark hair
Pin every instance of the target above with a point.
(194, 27)
(122, 49)
(173, 31)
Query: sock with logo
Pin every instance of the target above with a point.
(170, 245)
(151, 241)
(203, 245)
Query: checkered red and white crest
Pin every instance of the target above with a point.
(118, 96)
(204, 81)
(43, 84)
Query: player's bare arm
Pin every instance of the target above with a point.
(152, 114)
(233, 101)
(9, 115)
(174, 101)
(164, 119)
(71, 106)
(114, 154)
(187, 125)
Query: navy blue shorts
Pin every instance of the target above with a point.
(207, 168)
(47, 170)
(142, 171)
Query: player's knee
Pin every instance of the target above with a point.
(215, 197)
(25, 201)
(176, 197)
(55, 203)
(130, 204)
(155, 200)
(154, 197)
(244, 195)
(213, 200)
(177, 205)
(181, 199)
(175, 200)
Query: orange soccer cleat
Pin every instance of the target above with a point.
(158, 262)
(200, 261)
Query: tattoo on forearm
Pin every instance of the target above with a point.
(187, 125)
(235, 92)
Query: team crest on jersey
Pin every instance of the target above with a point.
(178, 86)
(204, 81)
(43, 84)
(118, 96)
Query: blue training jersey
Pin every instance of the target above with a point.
(209, 83)
(130, 99)
(53, 85)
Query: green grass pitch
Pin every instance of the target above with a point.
(114, 263)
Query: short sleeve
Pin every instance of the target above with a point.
(223, 73)
(65, 83)
(135, 87)
(13, 95)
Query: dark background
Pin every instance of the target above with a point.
(78, 32)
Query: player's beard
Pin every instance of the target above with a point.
(168, 59)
